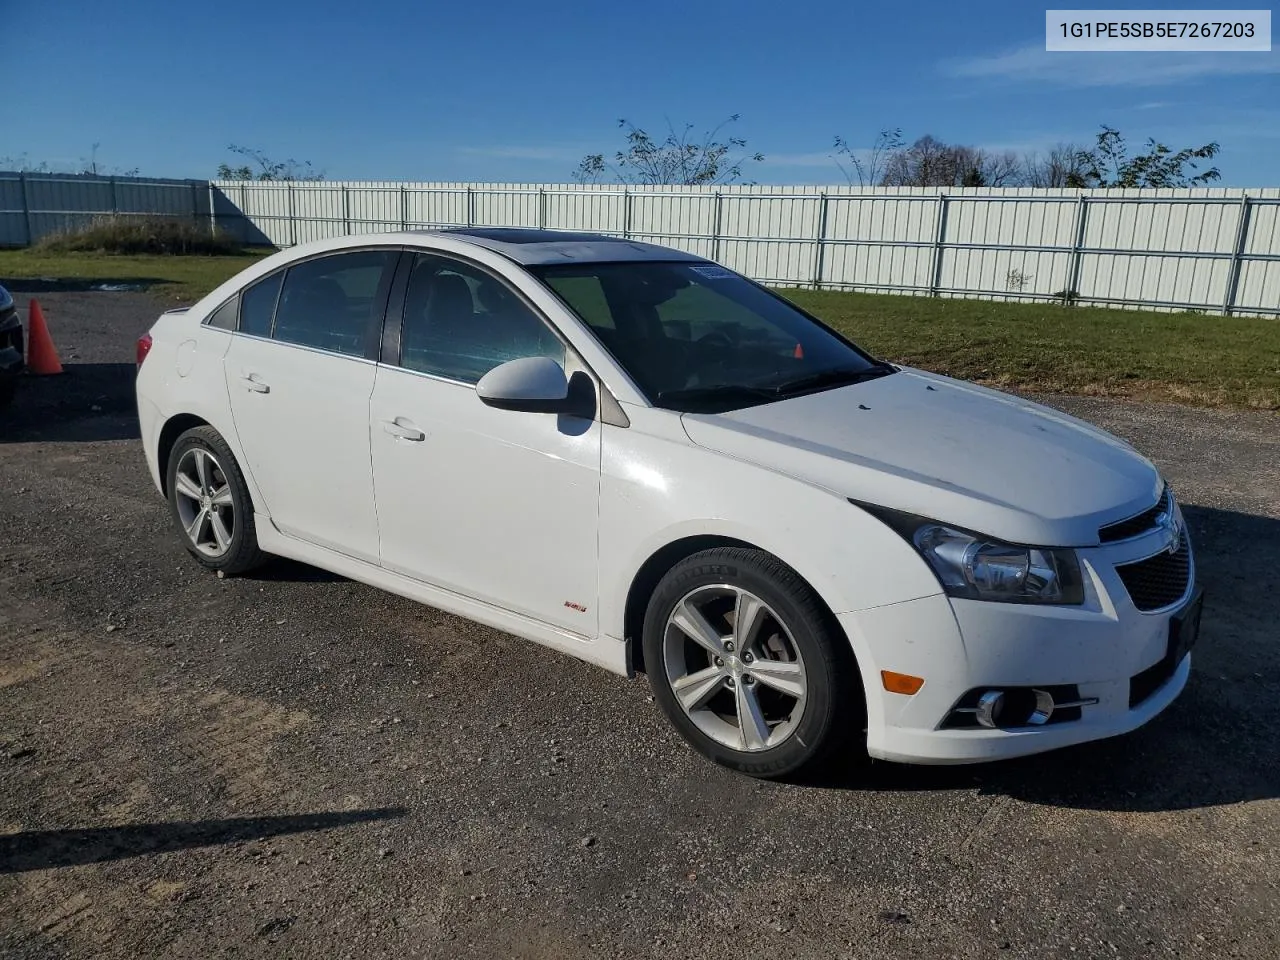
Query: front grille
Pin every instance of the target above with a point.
(1160, 580)
(1134, 526)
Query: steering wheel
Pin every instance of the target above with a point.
(716, 338)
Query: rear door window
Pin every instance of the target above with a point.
(328, 303)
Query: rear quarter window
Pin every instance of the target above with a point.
(258, 306)
(226, 316)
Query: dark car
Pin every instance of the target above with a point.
(11, 361)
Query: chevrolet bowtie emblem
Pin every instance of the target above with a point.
(1172, 525)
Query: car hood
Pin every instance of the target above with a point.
(947, 450)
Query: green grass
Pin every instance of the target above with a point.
(1180, 357)
(1201, 360)
(174, 279)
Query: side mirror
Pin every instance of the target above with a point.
(536, 385)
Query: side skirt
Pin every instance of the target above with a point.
(602, 651)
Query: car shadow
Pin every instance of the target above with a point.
(86, 402)
(43, 849)
(1215, 745)
(284, 570)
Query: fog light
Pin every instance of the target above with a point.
(1019, 707)
(990, 708)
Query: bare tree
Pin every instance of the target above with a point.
(926, 163)
(986, 168)
(265, 168)
(867, 167)
(1059, 166)
(680, 157)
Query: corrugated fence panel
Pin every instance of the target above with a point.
(34, 205)
(1212, 249)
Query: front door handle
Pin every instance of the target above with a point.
(403, 429)
(254, 383)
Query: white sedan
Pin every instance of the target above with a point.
(641, 458)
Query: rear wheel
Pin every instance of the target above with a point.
(210, 502)
(749, 665)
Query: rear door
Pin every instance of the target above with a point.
(299, 376)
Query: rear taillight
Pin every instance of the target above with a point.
(144, 347)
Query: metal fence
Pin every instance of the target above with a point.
(34, 205)
(1215, 250)
(1208, 249)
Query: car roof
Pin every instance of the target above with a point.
(532, 247)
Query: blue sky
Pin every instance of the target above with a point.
(500, 90)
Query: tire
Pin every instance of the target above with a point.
(792, 629)
(225, 539)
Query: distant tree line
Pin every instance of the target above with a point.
(929, 162)
(683, 156)
(88, 166)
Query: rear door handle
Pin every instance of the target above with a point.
(403, 429)
(254, 383)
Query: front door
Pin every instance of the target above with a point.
(496, 505)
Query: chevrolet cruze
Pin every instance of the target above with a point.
(638, 457)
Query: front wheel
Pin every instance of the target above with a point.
(749, 665)
(210, 502)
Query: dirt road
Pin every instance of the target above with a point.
(296, 765)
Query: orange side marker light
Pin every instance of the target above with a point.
(901, 682)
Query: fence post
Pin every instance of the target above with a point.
(245, 222)
(715, 227)
(293, 219)
(195, 205)
(26, 209)
(346, 209)
(471, 207)
(115, 204)
(626, 213)
(819, 247)
(213, 210)
(542, 209)
(939, 237)
(404, 208)
(1237, 255)
(1072, 293)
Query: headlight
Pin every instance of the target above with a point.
(975, 567)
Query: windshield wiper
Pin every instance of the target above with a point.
(728, 395)
(831, 378)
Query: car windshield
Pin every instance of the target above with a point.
(698, 337)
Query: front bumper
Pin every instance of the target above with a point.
(1103, 649)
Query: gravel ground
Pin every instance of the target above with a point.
(294, 764)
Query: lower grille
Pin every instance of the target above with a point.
(1144, 684)
(1158, 581)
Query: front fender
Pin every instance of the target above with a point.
(652, 486)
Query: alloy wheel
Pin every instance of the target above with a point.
(206, 508)
(734, 668)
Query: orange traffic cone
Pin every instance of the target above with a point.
(42, 358)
